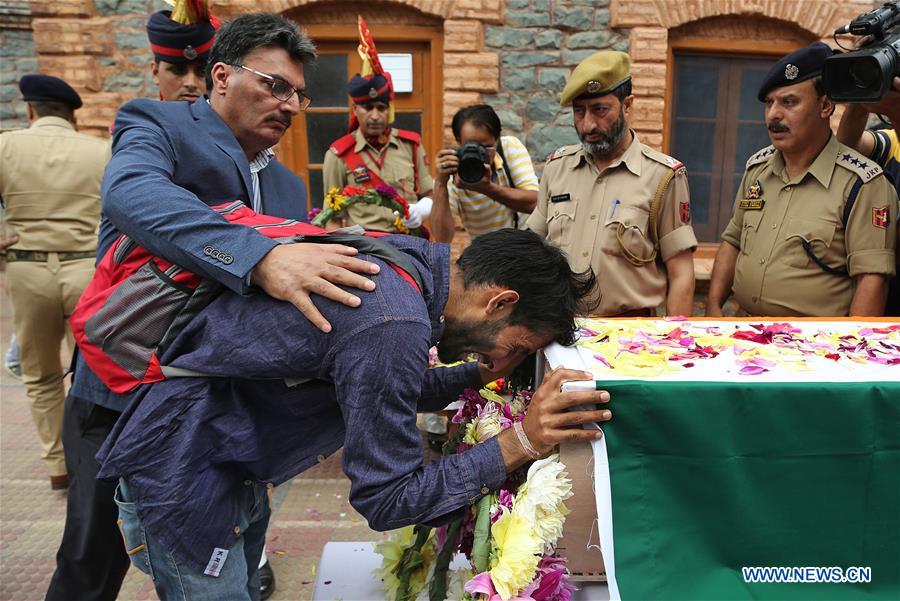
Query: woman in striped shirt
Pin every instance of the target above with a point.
(506, 194)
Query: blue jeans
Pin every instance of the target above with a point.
(238, 579)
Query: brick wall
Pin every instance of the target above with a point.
(513, 54)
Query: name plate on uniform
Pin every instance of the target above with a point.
(751, 204)
(560, 197)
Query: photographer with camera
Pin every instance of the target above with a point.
(488, 182)
(813, 231)
(870, 74)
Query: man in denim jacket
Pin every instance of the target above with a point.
(195, 455)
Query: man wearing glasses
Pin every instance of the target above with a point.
(172, 160)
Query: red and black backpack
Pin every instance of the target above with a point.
(137, 303)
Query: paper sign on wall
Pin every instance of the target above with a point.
(400, 66)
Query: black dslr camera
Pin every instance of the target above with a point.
(472, 158)
(865, 75)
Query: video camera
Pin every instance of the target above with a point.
(472, 158)
(865, 75)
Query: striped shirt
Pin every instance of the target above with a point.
(259, 162)
(479, 213)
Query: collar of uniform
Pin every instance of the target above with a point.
(631, 157)
(52, 122)
(361, 142)
(822, 168)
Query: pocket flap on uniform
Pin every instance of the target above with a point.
(810, 230)
(630, 217)
(751, 219)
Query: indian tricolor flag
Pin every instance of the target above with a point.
(751, 459)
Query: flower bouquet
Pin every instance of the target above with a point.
(508, 536)
(382, 195)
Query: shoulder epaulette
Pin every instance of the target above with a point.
(343, 144)
(563, 151)
(660, 157)
(865, 168)
(409, 136)
(761, 156)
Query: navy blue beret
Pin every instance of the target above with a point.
(46, 87)
(176, 43)
(375, 87)
(797, 66)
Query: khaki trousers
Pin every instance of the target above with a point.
(43, 295)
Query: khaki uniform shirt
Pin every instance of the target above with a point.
(581, 210)
(50, 184)
(396, 169)
(773, 215)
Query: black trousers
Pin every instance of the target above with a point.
(91, 562)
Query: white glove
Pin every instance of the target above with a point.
(418, 213)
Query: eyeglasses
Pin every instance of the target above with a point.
(281, 89)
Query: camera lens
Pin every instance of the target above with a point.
(472, 158)
(865, 74)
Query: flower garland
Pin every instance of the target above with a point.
(509, 536)
(382, 195)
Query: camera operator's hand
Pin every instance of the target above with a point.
(447, 164)
(485, 186)
(890, 102)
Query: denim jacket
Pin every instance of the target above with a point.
(187, 445)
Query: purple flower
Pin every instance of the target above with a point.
(386, 190)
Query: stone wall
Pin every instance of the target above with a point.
(538, 44)
(17, 57)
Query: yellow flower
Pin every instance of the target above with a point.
(335, 201)
(540, 501)
(398, 225)
(518, 553)
(392, 551)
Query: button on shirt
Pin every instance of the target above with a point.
(586, 213)
(774, 275)
(186, 445)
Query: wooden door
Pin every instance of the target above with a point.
(304, 146)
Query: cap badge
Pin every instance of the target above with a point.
(373, 92)
(791, 71)
(190, 53)
(593, 87)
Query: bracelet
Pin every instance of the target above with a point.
(523, 440)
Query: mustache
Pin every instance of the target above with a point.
(280, 117)
(778, 127)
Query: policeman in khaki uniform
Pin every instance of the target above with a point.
(812, 232)
(616, 205)
(50, 186)
(374, 153)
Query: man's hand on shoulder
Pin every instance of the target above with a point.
(293, 272)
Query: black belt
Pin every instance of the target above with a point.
(40, 256)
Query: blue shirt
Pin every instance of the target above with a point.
(187, 445)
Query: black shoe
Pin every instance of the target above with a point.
(266, 581)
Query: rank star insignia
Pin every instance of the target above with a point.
(881, 217)
(684, 211)
(791, 72)
(190, 53)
